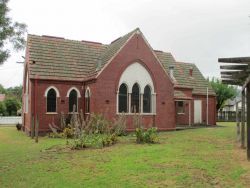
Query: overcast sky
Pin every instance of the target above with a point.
(196, 31)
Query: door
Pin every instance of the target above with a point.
(197, 111)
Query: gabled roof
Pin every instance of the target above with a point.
(197, 82)
(114, 47)
(57, 58)
(62, 59)
(179, 95)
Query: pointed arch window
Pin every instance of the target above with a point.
(51, 100)
(123, 98)
(73, 100)
(87, 101)
(147, 100)
(135, 99)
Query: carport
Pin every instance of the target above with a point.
(236, 71)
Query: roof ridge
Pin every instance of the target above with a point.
(113, 48)
(65, 39)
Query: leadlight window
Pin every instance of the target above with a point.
(135, 99)
(87, 101)
(147, 100)
(51, 100)
(123, 98)
(73, 100)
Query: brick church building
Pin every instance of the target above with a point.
(126, 76)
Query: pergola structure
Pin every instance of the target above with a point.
(237, 72)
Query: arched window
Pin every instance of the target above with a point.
(147, 100)
(123, 98)
(87, 101)
(73, 100)
(51, 100)
(135, 99)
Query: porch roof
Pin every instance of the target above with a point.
(179, 95)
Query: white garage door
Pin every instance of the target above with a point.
(197, 111)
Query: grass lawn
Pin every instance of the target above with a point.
(207, 157)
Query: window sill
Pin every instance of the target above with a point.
(181, 113)
(51, 113)
(141, 114)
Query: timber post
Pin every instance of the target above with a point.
(243, 118)
(248, 121)
(32, 130)
(237, 122)
(36, 129)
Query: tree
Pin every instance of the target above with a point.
(2, 90)
(15, 92)
(10, 31)
(2, 109)
(223, 92)
(12, 105)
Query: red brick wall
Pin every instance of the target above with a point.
(183, 119)
(136, 50)
(63, 87)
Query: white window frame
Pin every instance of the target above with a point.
(57, 95)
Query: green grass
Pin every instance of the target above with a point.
(207, 157)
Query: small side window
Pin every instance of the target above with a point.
(180, 107)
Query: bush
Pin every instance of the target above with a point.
(68, 132)
(55, 135)
(96, 132)
(18, 126)
(148, 136)
(119, 126)
(151, 135)
(93, 140)
(98, 124)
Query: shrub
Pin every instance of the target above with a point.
(93, 140)
(148, 136)
(18, 126)
(137, 121)
(68, 132)
(119, 126)
(97, 132)
(98, 124)
(55, 135)
(109, 139)
(151, 135)
(139, 135)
